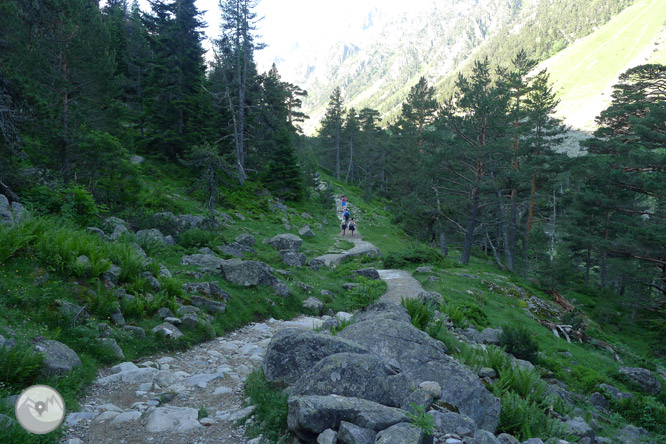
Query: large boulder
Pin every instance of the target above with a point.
(11, 214)
(370, 273)
(643, 378)
(353, 374)
(202, 260)
(292, 352)
(247, 273)
(58, 358)
(402, 433)
(384, 310)
(422, 358)
(294, 259)
(308, 416)
(286, 241)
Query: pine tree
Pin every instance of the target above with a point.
(283, 176)
(331, 126)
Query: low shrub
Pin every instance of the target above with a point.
(644, 411)
(524, 419)
(475, 315)
(421, 314)
(198, 238)
(519, 342)
(20, 366)
(367, 292)
(415, 256)
(270, 416)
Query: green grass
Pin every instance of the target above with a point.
(581, 72)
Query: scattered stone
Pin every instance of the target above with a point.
(418, 397)
(168, 330)
(286, 241)
(152, 280)
(97, 231)
(247, 273)
(505, 438)
(328, 436)
(281, 290)
(316, 263)
(58, 358)
(306, 216)
(598, 400)
(614, 392)
(202, 260)
(164, 312)
(426, 269)
(491, 336)
(485, 437)
(126, 417)
(431, 297)
(486, 372)
(135, 331)
(313, 304)
(206, 289)
(294, 259)
(306, 231)
(433, 388)
(112, 274)
(400, 433)
(207, 304)
(189, 322)
(117, 318)
(246, 240)
(136, 159)
(72, 312)
(83, 263)
(152, 235)
(578, 427)
(113, 348)
(352, 434)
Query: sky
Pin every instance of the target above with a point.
(285, 23)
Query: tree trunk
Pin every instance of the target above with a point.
(511, 241)
(351, 160)
(530, 213)
(603, 272)
(337, 154)
(471, 225)
(587, 266)
(443, 246)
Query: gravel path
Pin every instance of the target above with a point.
(399, 284)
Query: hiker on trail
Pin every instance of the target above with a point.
(344, 201)
(352, 226)
(344, 226)
(346, 215)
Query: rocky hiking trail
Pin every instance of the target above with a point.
(161, 398)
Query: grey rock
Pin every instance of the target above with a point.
(58, 358)
(505, 438)
(431, 297)
(578, 427)
(433, 388)
(630, 434)
(450, 422)
(74, 418)
(209, 305)
(7, 343)
(426, 269)
(189, 321)
(281, 290)
(112, 274)
(202, 260)
(164, 312)
(97, 231)
(598, 400)
(418, 397)
(136, 159)
(306, 216)
(328, 436)
(532, 441)
(172, 320)
(353, 375)
(294, 259)
(349, 285)
(423, 358)
(384, 310)
(614, 392)
(117, 318)
(643, 378)
(402, 433)
(316, 263)
(352, 434)
(113, 348)
(486, 372)
(491, 335)
(72, 312)
(292, 352)
(370, 273)
(308, 416)
(473, 335)
(83, 263)
(169, 240)
(485, 437)
(313, 304)
(6, 217)
(6, 422)
(164, 272)
(168, 330)
(286, 241)
(247, 273)
(151, 235)
(188, 309)
(235, 249)
(20, 213)
(306, 231)
(135, 331)
(209, 289)
(278, 206)
(246, 240)
(152, 280)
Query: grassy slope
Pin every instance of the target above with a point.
(584, 72)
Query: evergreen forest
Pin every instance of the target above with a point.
(115, 112)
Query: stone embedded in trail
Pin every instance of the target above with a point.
(286, 241)
(644, 378)
(58, 358)
(247, 273)
(422, 358)
(402, 433)
(352, 374)
(172, 419)
(308, 416)
(292, 352)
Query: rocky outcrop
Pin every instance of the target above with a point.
(422, 358)
(11, 214)
(293, 352)
(247, 273)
